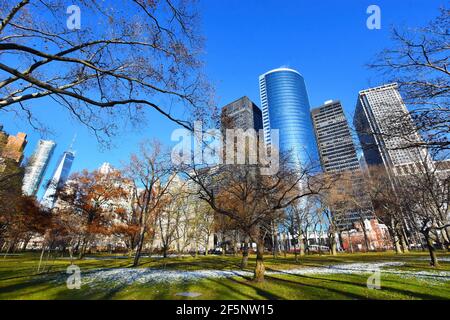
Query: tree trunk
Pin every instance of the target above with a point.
(7, 250)
(296, 252)
(83, 249)
(403, 243)
(350, 243)
(395, 239)
(445, 236)
(259, 268)
(40, 259)
(366, 238)
(140, 243)
(341, 241)
(206, 245)
(244, 261)
(333, 245)
(301, 242)
(25, 243)
(434, 261)
(275, 243)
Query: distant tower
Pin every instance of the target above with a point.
(58, 179)
(35, 170)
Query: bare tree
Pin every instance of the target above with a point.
(253, 201)
(119, 63)
(387, 204)
(151, 172)
(426, 200)
(418, 62)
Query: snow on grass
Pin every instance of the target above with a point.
(128, 276)
(120, 277)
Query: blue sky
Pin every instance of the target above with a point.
(326, 41)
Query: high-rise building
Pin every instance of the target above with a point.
(243, 114)
(338, 155)
(336, 148)
(58, 179)
(285, 106)
(35, 170)
(375, 110)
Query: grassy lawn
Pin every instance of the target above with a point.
(19, 279)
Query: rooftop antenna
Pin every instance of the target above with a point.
(72, 143)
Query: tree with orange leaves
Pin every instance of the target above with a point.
(97, 198)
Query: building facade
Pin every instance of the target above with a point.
(285, 106)
(376, 108)
(58, 179)
(337, 153)
(11, 150)
(243, 114)
(35, 170)
(334, 140)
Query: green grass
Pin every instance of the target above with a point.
(19, 279)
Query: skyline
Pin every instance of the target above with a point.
(225, 150)
(328, 60)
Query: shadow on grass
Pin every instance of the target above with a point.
(357, 283)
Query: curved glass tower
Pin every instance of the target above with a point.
(285, 106)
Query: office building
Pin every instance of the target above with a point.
(375, 112)
(334, 140)
(35, 169)
(338, 155)
(285, 106)
(243, 114)
(58, 179)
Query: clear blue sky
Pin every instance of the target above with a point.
(327, 41)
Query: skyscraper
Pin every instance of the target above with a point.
(285, 107)
(375, 109)
(35, 170)
(337, 155)
(58, 179)
(243, 114)
(336, 148)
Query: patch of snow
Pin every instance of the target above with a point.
(128, 276)
(188, 294)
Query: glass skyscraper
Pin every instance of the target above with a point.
(35, 170)
(285, 106)
(58, 179)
